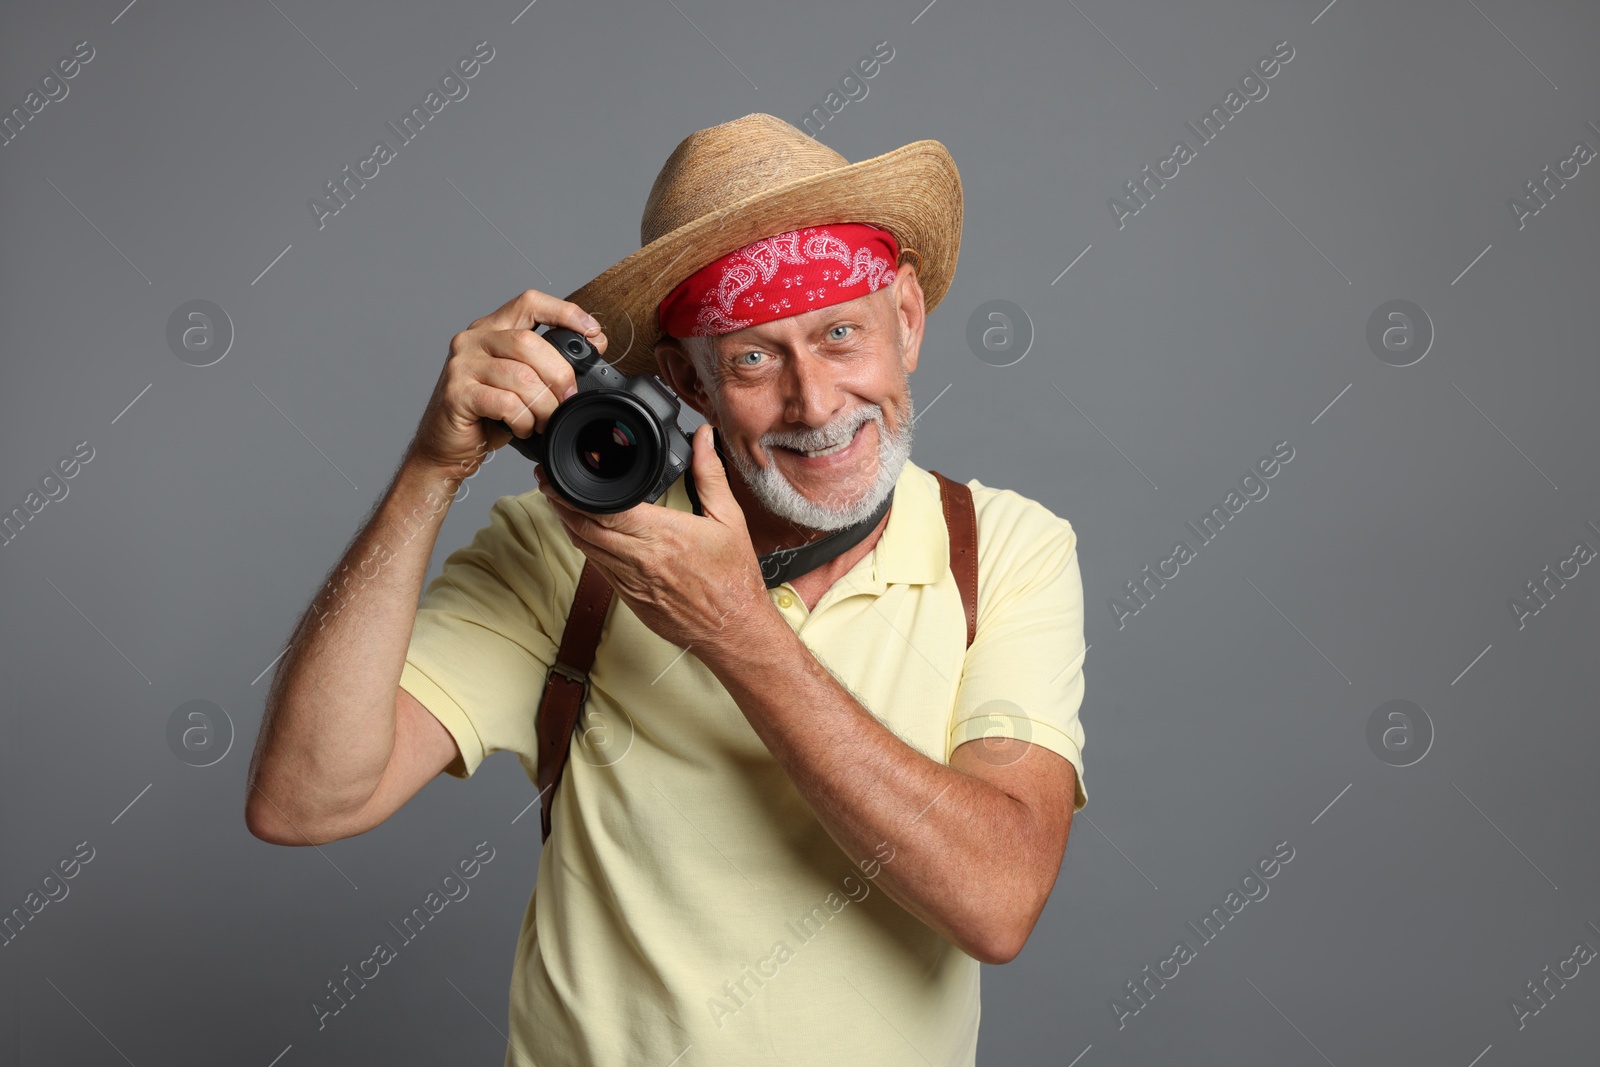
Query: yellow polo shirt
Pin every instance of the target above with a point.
(689, 908)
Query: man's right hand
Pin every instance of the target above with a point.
(499, 368)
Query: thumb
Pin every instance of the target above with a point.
(711, 480)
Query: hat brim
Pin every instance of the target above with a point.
(914, 192)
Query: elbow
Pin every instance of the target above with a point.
(263, 827)
(1008, 932)
(258, 825)
(265, 823)
(995, 941)
(278, 811)
(1000, 949)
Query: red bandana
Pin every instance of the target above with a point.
(780, 276)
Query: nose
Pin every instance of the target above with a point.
(810, 396)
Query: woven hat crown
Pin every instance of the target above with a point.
(758, 176)
(714, 168)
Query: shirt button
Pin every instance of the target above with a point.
(785, 600)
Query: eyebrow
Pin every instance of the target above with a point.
(722, 349)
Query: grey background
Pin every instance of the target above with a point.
(1228, 315)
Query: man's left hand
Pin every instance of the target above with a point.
(693, 580)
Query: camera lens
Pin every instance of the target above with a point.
(608, 448)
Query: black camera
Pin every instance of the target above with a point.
(613, 444)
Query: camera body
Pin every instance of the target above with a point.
(616, 442)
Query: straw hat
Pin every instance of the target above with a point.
(728, 185)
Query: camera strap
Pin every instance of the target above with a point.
(786, 564)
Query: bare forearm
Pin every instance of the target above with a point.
(329, 727)
(956, 837)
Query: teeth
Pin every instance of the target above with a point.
(830, 450)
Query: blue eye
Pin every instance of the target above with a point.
(840, 327)
(752, 352)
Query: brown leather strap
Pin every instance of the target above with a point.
(566, 684)
(961, 519)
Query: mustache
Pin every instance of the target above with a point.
(839, 433)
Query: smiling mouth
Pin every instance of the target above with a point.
(822, 452)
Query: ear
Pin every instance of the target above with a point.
(911, 311)
(678, 369)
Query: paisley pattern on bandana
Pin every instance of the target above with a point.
(780, 276)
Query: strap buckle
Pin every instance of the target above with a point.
(571, 674)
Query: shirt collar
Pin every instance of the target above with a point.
(914, 548)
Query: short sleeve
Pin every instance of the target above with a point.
(481, 644)
(1023, 675)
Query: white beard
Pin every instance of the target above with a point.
(779, 496)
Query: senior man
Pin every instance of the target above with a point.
(789, 705)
